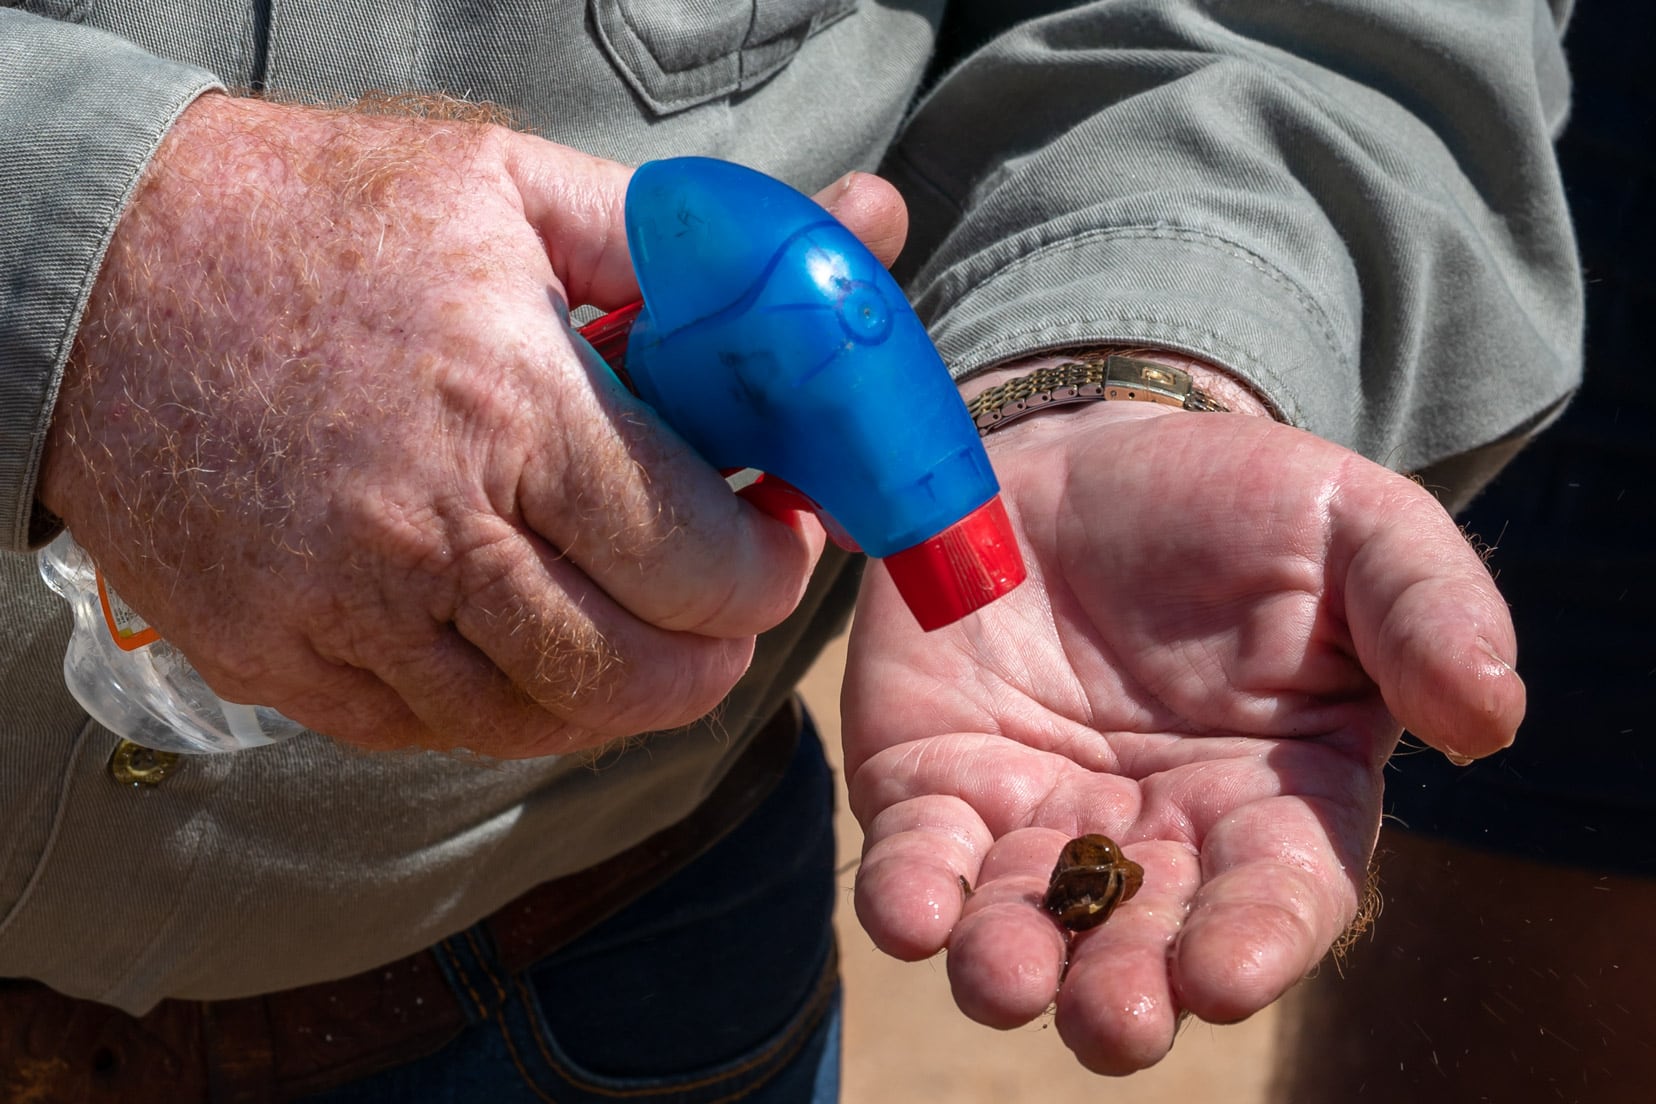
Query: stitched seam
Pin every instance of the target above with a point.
(746, 44)
(517, 1060)
(1163, 233)
(50, 843)
(797, 1039)
(1168, 233)
(465, 979)
(919, 173)
(499, 1018)
(784, 1047)
(483, 964)
(201, 830)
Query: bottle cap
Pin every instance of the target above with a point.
(963, 568)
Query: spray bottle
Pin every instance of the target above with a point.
(776, 345)
(136, 684)
(770, 339)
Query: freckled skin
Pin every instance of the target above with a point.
(326, 427)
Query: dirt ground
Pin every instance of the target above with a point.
(906, 1042)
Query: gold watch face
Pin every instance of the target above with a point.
(1145, 381)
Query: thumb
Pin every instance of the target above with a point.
(871, 209)
(1428, 624)
(577, 204)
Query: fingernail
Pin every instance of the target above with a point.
(1458, 759)
(1488, 649)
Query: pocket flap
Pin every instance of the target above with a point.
(679, 53)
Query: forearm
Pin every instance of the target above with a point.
(1375, 240)
(81, 113)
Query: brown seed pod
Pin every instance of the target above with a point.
(1092, 877)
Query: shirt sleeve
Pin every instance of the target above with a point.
(81, 113)
(1353, 205)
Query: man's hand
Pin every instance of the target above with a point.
(1226, 620)
(326, 426)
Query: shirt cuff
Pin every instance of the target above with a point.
(81, 114)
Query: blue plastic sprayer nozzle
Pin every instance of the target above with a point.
(770, 338)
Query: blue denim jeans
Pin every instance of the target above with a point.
(719, 984)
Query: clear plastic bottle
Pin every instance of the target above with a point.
(136, 684)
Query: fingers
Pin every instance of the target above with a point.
(651, 524)
(871, 209)
(1220, 950)
(1006, 955)
(347, 703)
(1118, 1010)
(633, 507)
(1278, 891)
(575, 656)
(1219, 933)
(519, 653)
(909, 893)
(461, 698)
(932, 813)
(932, 875)
(1425, 617)
(1008, 958)
(531, 683)
(577, 203)
(606, 482)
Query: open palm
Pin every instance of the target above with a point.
(1226, 625)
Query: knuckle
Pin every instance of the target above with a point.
(619, 511)
(588, 681)
(562, 661)
(707, 671)
(575, 671)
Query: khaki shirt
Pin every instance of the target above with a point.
(1352, 205)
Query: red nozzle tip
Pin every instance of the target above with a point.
(609, 334)
(963, 568)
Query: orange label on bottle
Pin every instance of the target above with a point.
(129, 631)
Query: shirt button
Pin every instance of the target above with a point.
(136, 765)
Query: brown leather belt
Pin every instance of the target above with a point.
(59, 1050)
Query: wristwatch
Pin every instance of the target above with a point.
(1089, 378)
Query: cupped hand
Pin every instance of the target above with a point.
(1226, 622)
(326, 426)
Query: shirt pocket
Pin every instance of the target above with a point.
(68, 11)
(680, 53)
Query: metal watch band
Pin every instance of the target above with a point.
(1089, 378)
